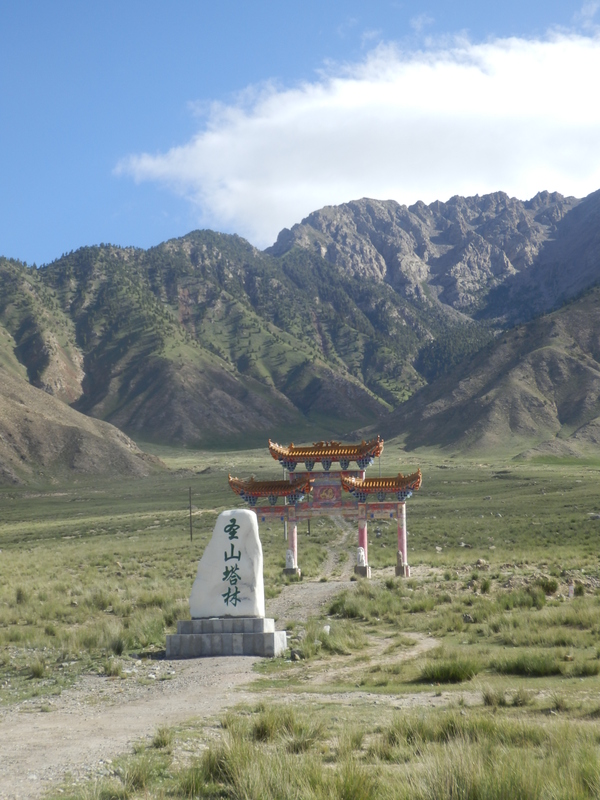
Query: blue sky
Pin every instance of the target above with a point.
(134, 122)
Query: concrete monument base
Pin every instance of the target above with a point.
(231, 636)
(402, 568)
(363, 571)
(293, 571)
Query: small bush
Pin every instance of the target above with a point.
(109, 790)
(191, 781)
(350, 740)
(354, 782)
(549, 585)
(579, 590)
(486, 585)
(531, 597)
(20, 596)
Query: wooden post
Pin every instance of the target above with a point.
(190, 513)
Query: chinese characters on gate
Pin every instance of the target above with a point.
(231, 574)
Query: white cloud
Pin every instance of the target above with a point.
(585, 16)
(421, 21)
(514, 115)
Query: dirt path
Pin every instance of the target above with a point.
(78, 733)
(102, 718)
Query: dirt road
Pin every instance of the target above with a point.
(100, 718)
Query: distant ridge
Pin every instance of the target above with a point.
(206, 341)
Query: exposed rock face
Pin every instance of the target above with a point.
(457, 251)
(229, 582)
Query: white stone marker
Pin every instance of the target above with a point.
(229, 582)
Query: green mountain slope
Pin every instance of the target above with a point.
(205, 337)
(37, 339)
(536, 390)
(174, 350)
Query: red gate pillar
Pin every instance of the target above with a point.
(362, 539)
(293, 542)
(402, 568)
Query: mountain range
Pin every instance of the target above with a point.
(205, 340)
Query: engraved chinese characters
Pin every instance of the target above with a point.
(232, 574)
(229, 582)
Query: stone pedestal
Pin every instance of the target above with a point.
(293, 571)
(402, 569)
(238, 636)
(364, 572)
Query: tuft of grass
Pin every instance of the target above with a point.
(21, 596)
(494, 697)
(350, 740)
(163, 738)
(141, 771)
(117, 645)
(586, 669)
(273, 722)
(37, 668)
(521, 698)
(449, 670)
(529, 664)
(559, 703)
(113, 668)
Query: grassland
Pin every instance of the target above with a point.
(477, 678)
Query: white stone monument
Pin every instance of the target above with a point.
(289, 560)
(227, 603)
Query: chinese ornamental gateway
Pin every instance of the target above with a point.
(346, 492)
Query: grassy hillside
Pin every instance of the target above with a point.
(535, 390)
(42, 439)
